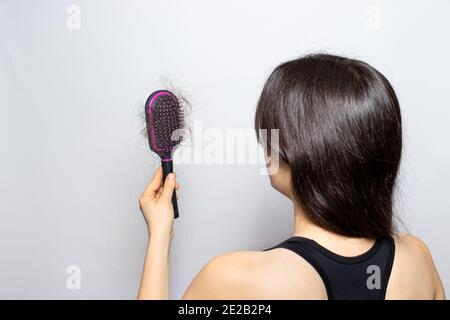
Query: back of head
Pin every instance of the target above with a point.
(340, 134)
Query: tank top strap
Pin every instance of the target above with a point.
(362, 277)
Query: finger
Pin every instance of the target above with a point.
(155, 184)
(178, 194)
(169, 187)
(177, 186)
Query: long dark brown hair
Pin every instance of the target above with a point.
(340, 133)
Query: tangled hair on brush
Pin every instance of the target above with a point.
(185, 106)
(340, 133)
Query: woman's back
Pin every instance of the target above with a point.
(281, 273)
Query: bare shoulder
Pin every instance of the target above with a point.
(273, 274)
(414, 275)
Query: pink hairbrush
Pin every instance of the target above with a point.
(164, 119)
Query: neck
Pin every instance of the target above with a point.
(347, 246)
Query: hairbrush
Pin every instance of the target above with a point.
(164, 119)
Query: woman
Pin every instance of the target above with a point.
(340, 142)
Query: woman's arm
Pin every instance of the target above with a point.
(155, 276)
(156, 206)
(221, 278)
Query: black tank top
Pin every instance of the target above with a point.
(363, 277)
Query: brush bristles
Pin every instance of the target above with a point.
(164, 123)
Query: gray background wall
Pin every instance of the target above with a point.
(73, 161)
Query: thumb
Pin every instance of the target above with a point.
(169, 187)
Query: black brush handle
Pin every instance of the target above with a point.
(167, 166)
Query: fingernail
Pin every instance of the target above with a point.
(171, 176)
